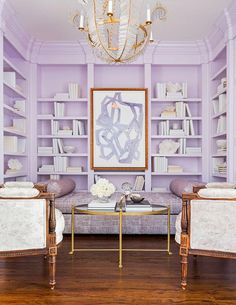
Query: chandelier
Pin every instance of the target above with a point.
(118, 30)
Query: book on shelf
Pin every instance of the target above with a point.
(64, 132)
(139, 183)
(9, 78)
(161, 90)
(45, 150)
(61, 96)
(13, 144)
(193, 150)
(163, 128)
(182, 146)
(74, 169)
(78, 128)
(59, 109)
(176, 132)
(175, 169)
(60, 164)
(219, 165)
(188, 128)
(222, 102)
(74, 90)
(168, 114)
(19, 105)
(47, 168)
(221, 124)
(160, 164)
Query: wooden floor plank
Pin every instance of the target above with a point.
(95, 279)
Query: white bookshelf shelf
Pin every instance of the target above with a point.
(177, 156)
(14, 132)
(176, 137)
(15, 154)
(176, 174)
(218, 94)
(222, 134)
(64, 155)
(15, 175)
(175, 119)
(187, 100)
(64, 173)
(62, 118)
(14, 111)
(52, 99)
(219, 114)
(61, 137)
(9, 66)
(220, 73)
(12, 91)
(122, 173)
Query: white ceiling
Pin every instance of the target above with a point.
(187, 20)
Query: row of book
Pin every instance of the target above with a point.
(78, 128)
(181, 110)
(59, 109)
(187, 129)
(163, 91)
(219, 166)
(220, 105)
(60, 164)
(13, 144)
(160, 165)
(221, 124)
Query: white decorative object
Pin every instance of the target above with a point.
(118, 30)
(173, 88)
(14, 164)
(103, 188)
(18, 192)
(168, 147)
(68, 149)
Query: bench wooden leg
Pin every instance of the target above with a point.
(52, 271)
(184, 271)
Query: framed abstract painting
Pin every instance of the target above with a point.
(119, 129)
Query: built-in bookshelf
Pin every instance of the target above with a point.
(176, 124)
(62, 124)
(219, 116)
(15, 111)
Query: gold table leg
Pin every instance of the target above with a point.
(120, 238)
(168, 232)
(72, 230)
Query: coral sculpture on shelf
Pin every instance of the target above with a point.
(103, 188)
(14, 166)
(168, 147)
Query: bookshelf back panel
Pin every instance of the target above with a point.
(54, 79)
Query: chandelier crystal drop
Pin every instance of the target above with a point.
(118, 30)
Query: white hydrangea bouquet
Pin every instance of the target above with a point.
(103, 189)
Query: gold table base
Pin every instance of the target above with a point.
(120, 249)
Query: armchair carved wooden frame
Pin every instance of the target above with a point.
(187, 245)
(49, 249)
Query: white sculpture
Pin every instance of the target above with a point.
(173, 88)
(14, 165)
(168, 147)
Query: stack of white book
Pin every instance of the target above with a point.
(47, 168)
(163, 128)
(61, 96)
(60, 164)
(59, 132)
(161, 90)
(13, 144)
(19, 105)
(177, 132)
(220, 105)
(45, 150)
(9, 78)
(78, 128)
(74, 169)
(59, 109)
(74, 91)
(96, 205)
(175, 169)
(221, 124)
(193, 150)
(219, 165)
(160, 164)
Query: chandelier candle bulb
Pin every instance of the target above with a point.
(110, 9)
(81, 22)
(151, 37)
(148, 16)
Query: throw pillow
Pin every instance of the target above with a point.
(179, 186)
(61, 187)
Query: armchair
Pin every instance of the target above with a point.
(207, 228)
(27, 227)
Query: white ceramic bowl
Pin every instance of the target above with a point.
(68, 149)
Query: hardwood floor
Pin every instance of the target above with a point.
(94, 278)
